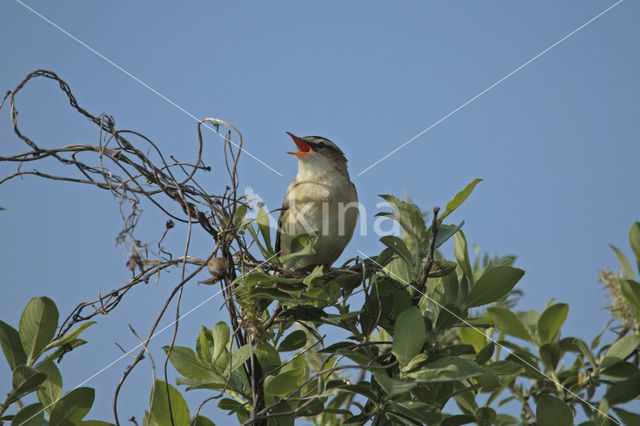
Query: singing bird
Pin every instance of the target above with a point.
(320, 199)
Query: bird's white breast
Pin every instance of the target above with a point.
(325, 203)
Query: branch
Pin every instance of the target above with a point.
(432, 243)
(518, 393)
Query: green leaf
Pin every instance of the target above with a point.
(550, 354)
(464, 286)
(634, 240)
(313, 409)
(577, 345)
(95, 423)
(160, 414)
(51, 389)
(363, 388)
(409, 335)
(265, 251)
(530, 320)
(38, 325)
(506, 368)
(449, 369)
(631, 291)
(417, 362)
(241, 355)
(359, 419)
(602, 416)
(465, 398)
(229, 404)
(331, 349)
(417, 411)
(201, 421)
(445, 232)
(620, 350)
(12, 346)
(449, 315)
(473, 336)
(490, 382)
(493, 284)
(505, 419)
(53, 355)
(241, 212)
(619, 371)
(204, 344)
(526, 360)
(451, 287)
(409, 216)
(551, 321)
(458, 199)
(265, 227)
(486, 416)
(624, 391)
(553, 411)
(458, 419)
(629, 419)
(398, 246)
(442, 268)
(285, 419)
(358, 356)
(31, 415)
(270, 294)
(293, 341)
(316, 406)
(302, 245)
(315, 276)
(185, 361)
(303, 313)
(399, 270)
(624, 263)
(69, 336)
(25, 380)
(392, 387)
(283, 383)
(268, 357)
(457, 350)
(72, 407)
(221, 335)
(461, 253)
(509, 323)
(485, 354)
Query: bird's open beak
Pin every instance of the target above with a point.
(303, 147)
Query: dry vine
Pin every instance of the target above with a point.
(133, 174)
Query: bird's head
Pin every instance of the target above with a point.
(316, 153)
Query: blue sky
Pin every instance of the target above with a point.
(556, 143)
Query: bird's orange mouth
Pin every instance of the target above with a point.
(303, 147)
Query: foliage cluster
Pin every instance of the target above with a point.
(31, 352)
(403, 358)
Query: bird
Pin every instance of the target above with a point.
(320, 199)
